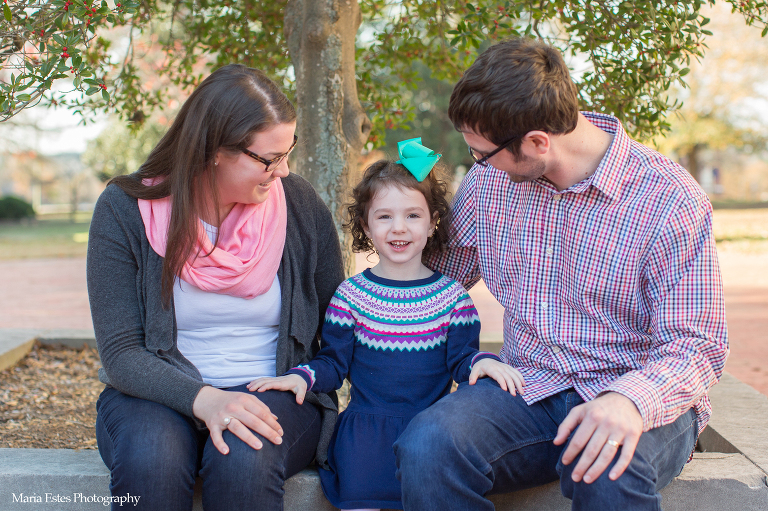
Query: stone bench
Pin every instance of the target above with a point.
(731, 473)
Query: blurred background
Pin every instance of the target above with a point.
(53, 168)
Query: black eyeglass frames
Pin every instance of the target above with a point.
(482, 160)
(274, 161)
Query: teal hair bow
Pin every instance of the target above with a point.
(418, 159)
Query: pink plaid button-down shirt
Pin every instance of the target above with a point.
(610, 285)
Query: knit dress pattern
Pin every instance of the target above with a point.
(400, 343)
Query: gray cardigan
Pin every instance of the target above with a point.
(136, 336)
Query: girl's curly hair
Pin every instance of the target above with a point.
(386, 173)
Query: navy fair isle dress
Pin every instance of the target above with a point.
(400, 343)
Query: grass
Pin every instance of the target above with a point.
(49, 237)
(741, 230)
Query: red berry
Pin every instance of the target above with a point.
(64, 49)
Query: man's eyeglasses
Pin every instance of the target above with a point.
(274, 161)
(482, 160)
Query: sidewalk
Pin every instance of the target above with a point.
(51, 293)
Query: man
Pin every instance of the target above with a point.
(602, 254)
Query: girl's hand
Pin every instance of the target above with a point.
(237, 412)
(507, 376)
(292, 382)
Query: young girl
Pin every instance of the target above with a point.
(399, 331)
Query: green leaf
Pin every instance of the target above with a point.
(685, 71)
(7, 13)
(92, 90)
(765, 31)
(23, 97)
(105, 94)
(76, 61)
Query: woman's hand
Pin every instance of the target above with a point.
(292, 382)
(507, 376)
(237, 412)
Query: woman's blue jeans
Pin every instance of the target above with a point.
(482, 440)
(155, 453)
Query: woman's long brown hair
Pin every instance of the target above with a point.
(223, 113)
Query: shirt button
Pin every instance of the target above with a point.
(550, 251)
(556, 349)
(543, 305)
(557, 198)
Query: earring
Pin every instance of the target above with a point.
(215, 164)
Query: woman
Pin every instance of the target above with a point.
(208, 267)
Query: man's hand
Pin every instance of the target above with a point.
(610, 417)
(506, 376)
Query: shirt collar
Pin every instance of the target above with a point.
(609, 174)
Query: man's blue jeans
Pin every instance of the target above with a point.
(482, 440)
(155, 453)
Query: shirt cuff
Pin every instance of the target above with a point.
(644, 395)
(305, 372)
(481, 355)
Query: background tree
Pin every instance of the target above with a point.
(632, 53)
(724, 103)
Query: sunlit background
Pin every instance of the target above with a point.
(59, 165)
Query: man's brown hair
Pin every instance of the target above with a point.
(514, 87)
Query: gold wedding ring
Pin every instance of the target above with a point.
(613, 443)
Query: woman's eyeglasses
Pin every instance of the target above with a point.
(481, 159)
(274, 161)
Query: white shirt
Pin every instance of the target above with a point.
(230, 340)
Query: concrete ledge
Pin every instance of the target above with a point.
(711, 482)
(740, 422)
(15, 343)
(13, 347)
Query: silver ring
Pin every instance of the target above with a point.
(613, 443)
(227, 420)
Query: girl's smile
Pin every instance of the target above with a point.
(399, 225)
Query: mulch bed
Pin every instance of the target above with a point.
(48, 400)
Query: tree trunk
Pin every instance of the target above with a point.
(693, 158)
(332, 126)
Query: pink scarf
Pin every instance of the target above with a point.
(250, 245)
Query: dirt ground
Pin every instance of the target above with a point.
(48, 400)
